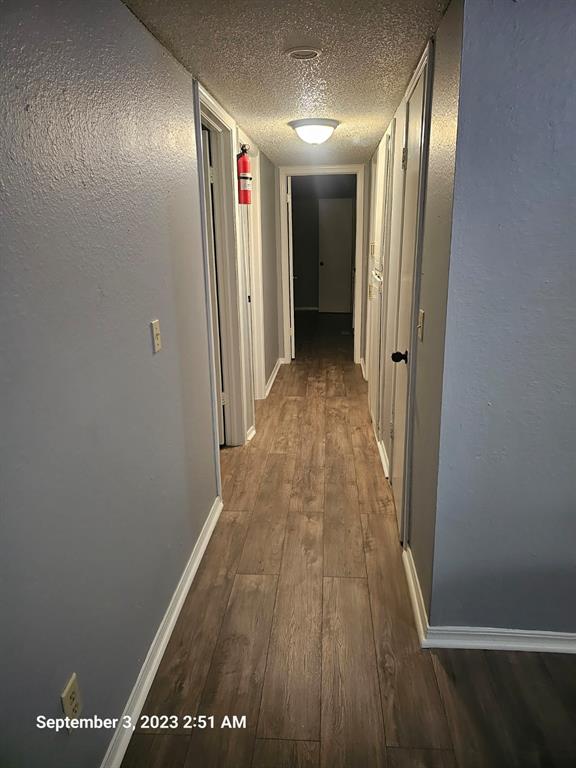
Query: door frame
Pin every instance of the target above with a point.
(287, 272)
(234, 307)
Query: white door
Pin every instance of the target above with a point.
(378, 276)
(336, 254)
(214, 306)
(412, 162)
(372, 287)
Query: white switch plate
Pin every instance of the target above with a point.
(156, 336)
(421, 324)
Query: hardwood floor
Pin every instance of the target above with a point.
(299, 616)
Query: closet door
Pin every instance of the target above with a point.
(381, 274)
(412, 162)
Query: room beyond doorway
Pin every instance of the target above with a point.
(323, 227)
(322, 239)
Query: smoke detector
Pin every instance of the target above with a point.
(303, 53)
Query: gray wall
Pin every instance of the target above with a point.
(433, 291)
(270, 266)
(106, 458)
(506, 522)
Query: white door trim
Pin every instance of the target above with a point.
(234, 303)
(318, 170)
(205, 256)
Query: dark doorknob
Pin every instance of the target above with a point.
(397, 357)
(321, 263)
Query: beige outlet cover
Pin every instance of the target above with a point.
(71, 701)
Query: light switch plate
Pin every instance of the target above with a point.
(156, 336)
(421, 324)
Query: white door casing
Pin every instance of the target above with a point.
(285, 232)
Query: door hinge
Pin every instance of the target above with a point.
(223, 398)
(391, 429)
(288, 198)
(211, 175)
(404, 158)
(249, 299)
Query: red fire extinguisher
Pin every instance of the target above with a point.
(244, 176)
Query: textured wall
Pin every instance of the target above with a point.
(434, 290)
(506, 526)
(106, 458)
(270, 265)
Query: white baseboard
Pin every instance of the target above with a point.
(119, 743)
(382, 452)
(418, 607)
(250, 434)
(272, 379)
(363, 366)
(383, 458)
(497, 639)
(482, 638)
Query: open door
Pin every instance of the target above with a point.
(213, 276)
(383, 368)
(377, 286)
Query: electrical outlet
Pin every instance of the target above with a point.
(71, 701)
(156, 337)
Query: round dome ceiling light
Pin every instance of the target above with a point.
(314, 130)
(303, 53)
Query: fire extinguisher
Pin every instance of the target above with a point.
(244, 176)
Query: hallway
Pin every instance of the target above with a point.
(299, 617)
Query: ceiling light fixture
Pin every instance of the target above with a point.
(314, 130)
(303, 53)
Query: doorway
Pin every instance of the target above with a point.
(322, 256)
(323, 239)
(226, 241)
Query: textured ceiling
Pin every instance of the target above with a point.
(236, 50)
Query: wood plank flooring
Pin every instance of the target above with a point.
(299, 616)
